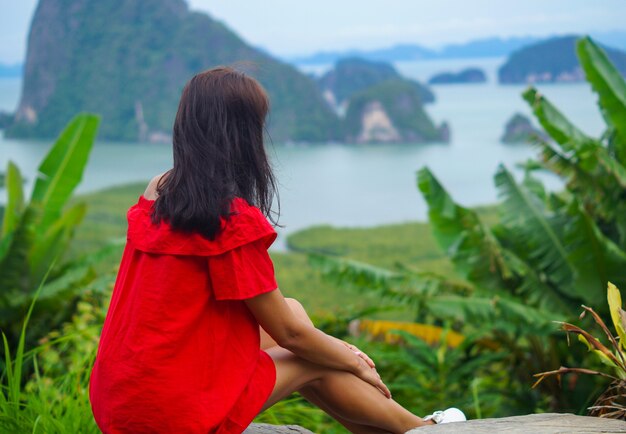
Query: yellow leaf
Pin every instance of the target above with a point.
(604, 359)
(615, 305)
(584, 340)
(428, 333)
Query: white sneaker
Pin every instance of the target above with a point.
(446, 416)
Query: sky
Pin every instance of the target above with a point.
(288, 28)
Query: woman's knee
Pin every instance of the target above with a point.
(292, 373)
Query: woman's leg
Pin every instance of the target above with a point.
(356, 404)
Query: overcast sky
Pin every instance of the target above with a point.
(291, 27)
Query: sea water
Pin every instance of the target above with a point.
(365, 185)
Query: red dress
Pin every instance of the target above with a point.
(179, 350)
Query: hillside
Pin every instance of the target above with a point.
(391, 112)
(128, 61)
(469, 75)
(352, 75)
(486, 47)
(550, 61)
(519, 129)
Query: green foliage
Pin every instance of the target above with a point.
(36, 234)
(423, 378)
(555, 250)
(547, 254)
(612, 401)
(55, 398)
(551, 251)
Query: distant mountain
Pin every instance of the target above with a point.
(469, 75)
(128, 61)
(11, 71)
(488, 47)
(353, 74)
(549, 61)
(402, 52)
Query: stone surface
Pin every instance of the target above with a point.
(263, 428)
(548, 423)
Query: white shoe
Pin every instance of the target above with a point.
(448, 415)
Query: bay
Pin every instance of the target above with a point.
(345, 185)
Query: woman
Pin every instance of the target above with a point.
(198, 337)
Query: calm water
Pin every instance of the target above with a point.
(365, 185)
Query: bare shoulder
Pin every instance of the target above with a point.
(151, 190)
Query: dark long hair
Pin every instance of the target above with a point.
(219, 153)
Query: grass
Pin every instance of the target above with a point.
(408, 243)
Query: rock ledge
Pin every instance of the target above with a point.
(547, 423)
(264, 428)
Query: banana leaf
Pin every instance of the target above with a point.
(14, 268)
(396, 287)
(13, 209)
(524, 215)
(62, 169)
(556, 125)
(610, 86)
(15, 200)
(595, 257)
(55, 240)
(497, 313)
(474, 250)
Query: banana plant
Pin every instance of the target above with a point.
(593, 168)
(35, 233)
(550, 252)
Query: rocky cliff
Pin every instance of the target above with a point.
(128, 61)
(519, 129)
(391, 112)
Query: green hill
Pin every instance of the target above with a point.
(128, 61)
(353, 74)
(552, 60)
(391, 111)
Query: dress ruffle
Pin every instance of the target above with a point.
(246, 225)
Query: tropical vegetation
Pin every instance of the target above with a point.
(36, 234)
(612, 402)
(549, 253)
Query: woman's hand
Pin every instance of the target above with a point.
(367, 369)
(369, 375)
(359, 353)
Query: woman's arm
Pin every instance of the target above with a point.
(274, 315)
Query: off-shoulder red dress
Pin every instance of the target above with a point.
(179, 351)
